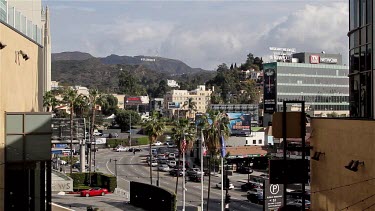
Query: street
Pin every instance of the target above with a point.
(134, 168)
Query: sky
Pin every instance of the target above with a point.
(202, 34)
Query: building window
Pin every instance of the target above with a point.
(254, 141)
(260, 141)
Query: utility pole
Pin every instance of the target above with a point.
(157, 181)
(130, 130)
(115, 167)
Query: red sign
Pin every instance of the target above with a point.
(314, 59)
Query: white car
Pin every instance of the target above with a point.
(231, 186)
(163, 167)
(172, 163)
(96, 133)
(171, 156)
(158, 143)
(153, 163)
(122, 149)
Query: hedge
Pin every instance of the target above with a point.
(98, 179)
(113, 142)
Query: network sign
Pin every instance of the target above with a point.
(173, 105)
(273, 198)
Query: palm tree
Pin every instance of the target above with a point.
(95, 99)
(70, 96)
(190, 105)
(215, 125)
(183, 130)
(49, 100)
(153, 128)
(81, 106)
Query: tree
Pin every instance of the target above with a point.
(214, 125)
(130, 84)
(95, 99)
(183, 130)
(190, 105)
(123, 119)
(49, 100)
(154, 127)
(81, 106)
(110, 106)
(70, 96)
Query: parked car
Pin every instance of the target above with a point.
(157, 143)
(298, 203)
(193, 171)
(172, 163)
(163, 161)
(172, 156)
(255, 191)
(163, 167)
(249, 186)
(231, 186)
(113, 135)
(96, 133)
(94, 192)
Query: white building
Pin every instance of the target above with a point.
(172, 83)
(256, 138)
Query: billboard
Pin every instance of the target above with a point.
(174, 105)
(269, 84)
(239, 123)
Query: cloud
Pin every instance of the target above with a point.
(315, 28)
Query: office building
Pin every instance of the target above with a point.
(319, 79)
(25, 151)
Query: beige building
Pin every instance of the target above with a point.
(25, 76)
(333, 186)
(120, 100)
(200, 96)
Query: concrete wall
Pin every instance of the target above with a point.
(342, 140)
(19, 84)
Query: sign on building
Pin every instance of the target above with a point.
(173, 105)
(269, 88)
(273, 198)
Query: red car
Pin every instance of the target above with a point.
(94, 192)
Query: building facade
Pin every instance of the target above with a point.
(175, 99)
(24, 77)
(251, 109)
(319, 79)
(361, 75)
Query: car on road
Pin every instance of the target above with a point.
(113, 135)
(244, 170)
(134, 149)
(171, 156)
(94, 192)
(250, 185)
(163, 167)
(194, 171)
(175, 172)
(231, 186)
(195, 178)
(121, 149)
(171, 145)
(255, 197)
(153, 163)
(298, 203)
(96, 133)
(158, 143)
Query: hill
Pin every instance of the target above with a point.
(77, 68)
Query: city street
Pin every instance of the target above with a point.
(134, 168)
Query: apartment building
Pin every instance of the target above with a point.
(175, 100)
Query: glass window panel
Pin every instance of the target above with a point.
(369, 10)
(354, 95)
(362, 61)
(356, 38)
(363, 35)
(368, 57)
(38, 147)
(369, 34)
(38, 123)
(11, 16)
(351, 41)
(14, 147)
(17, 23)
(363, 12)
(354, 60)
(14, 124)
(356, 14)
